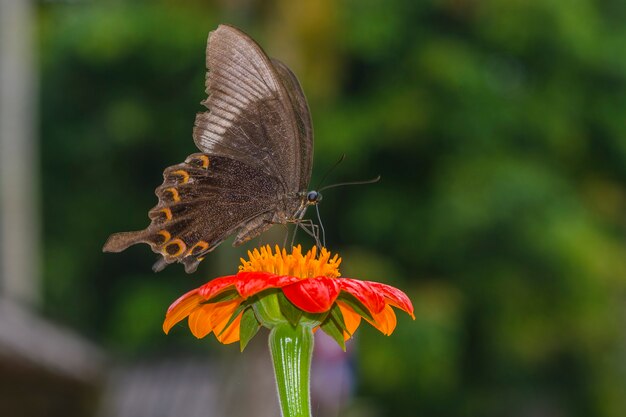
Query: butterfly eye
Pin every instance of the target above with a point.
(313, 197)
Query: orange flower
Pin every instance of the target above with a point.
(278, 286)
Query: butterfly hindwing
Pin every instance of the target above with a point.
(201, 202)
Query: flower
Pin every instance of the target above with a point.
(275, 286)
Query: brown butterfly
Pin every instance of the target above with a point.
(256, 144)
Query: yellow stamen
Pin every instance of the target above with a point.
(295, 263)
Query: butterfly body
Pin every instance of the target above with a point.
(255, 165)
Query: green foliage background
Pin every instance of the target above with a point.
(498, 129)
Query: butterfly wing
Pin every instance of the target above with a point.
(303, 120)
(201, 202)
(257, 142)
(257, 111)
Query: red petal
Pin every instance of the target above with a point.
(250, 283)
(216, 286)
(385, 321)
(364, 292)
(314, 295)
(394, 296)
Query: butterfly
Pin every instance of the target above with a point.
(253, 171)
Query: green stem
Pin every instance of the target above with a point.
(291, 349)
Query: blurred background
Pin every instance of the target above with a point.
(498, 129)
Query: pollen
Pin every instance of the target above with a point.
(309, 265)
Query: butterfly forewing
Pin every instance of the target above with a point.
(251, 117)
(302, 116)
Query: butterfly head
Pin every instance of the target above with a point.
(313, 197)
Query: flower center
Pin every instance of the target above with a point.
(295, 264)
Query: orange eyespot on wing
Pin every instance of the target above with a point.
(164, 214)
(184, 175)
(175, 248)
(162, 237)
(198, 161)
(198, 248)
(160, 215)
(173, 192)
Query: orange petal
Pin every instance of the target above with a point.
(351, 319)
(385, 321)
(220, 317)
(231, 334)
(200, 320)
(181, 308)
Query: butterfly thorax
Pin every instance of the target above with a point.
(304, 199)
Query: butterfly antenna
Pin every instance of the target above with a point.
(341, 184)
(331, 169)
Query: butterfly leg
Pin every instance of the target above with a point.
(321, 225)
(310, 228)
(301, 224)
(286, 235)
(293, 238)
